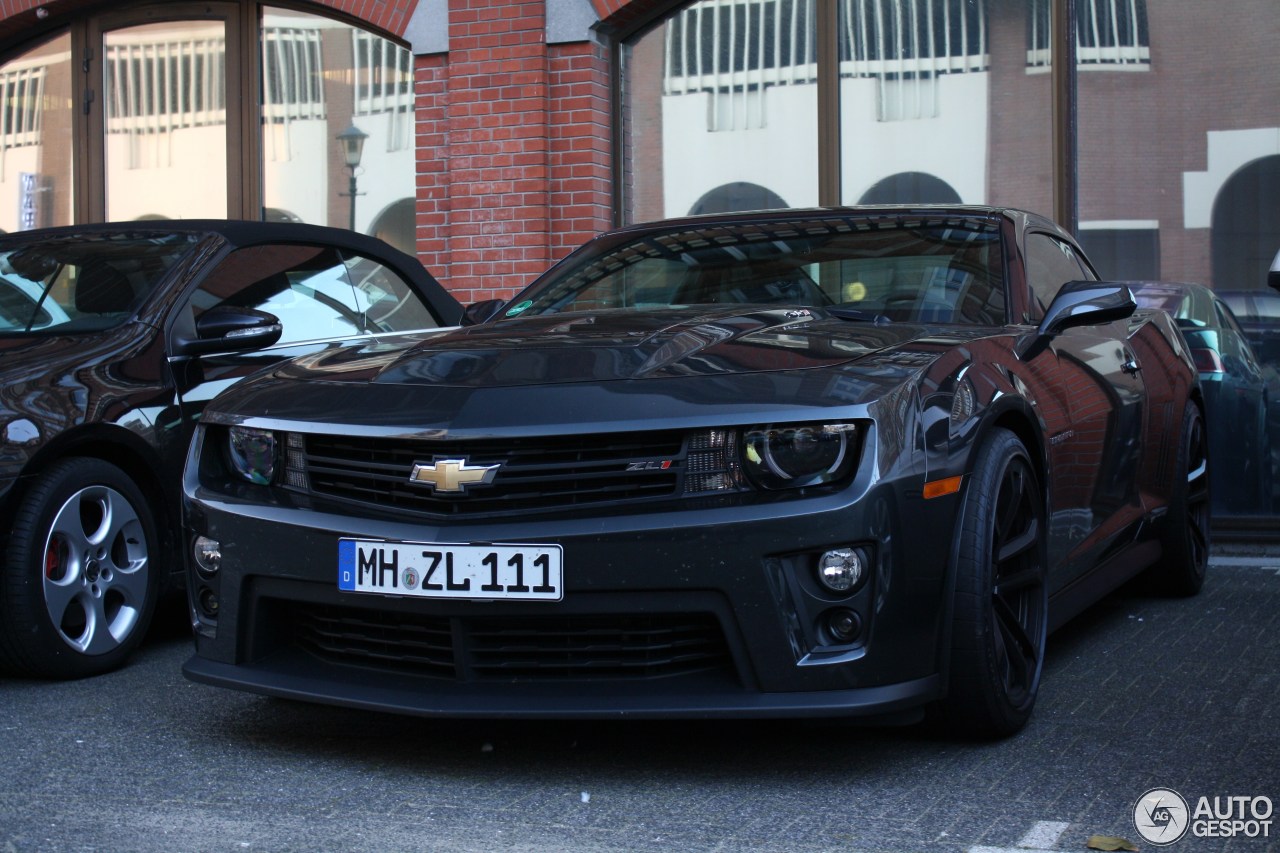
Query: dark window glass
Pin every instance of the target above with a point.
(316, 292)
(82, 283)
(1051, 263)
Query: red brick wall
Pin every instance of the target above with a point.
(431, 91)
(513, 149)
(513, 145)
(581, 184)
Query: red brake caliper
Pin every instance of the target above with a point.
(53, 568)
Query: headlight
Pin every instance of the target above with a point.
(781, 457)
(252, 453)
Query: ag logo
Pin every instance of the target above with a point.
(1161, 816)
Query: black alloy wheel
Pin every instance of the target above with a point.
(1000, 619)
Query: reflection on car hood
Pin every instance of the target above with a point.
(609, 346)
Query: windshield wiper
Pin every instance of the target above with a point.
(846, 313)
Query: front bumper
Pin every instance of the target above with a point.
(701, 612)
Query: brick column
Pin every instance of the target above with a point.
(513, 139)
(580, 180)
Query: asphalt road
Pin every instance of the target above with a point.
(1139, 693)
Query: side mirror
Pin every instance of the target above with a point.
(477, 312)
(230, 329)
(1273, 277)
(1087, 303)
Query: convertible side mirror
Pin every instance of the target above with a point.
(1087, 303)
(226, 328)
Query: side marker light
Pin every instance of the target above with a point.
(940, 488)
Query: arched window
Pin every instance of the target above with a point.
(1246, 227)
(741, 195)
(910, 188)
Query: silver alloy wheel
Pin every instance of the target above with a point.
(95, 570)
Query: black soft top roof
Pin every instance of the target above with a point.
(242, 233)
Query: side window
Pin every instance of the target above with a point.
(385, 299)
(1226, 319)
(1051, 263)
(316, 293)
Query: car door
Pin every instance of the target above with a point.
(1096, 461)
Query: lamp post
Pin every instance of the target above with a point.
(351, 141)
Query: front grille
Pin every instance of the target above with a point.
(535, 474)
(624, 647)
(421, 644)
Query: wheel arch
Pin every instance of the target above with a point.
(116, 446)
(1018, 416)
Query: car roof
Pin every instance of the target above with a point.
(1023, 220)
(835, 212)
(238, 232)
(242, 233)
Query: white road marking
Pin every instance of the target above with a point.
(1041, 838)
(1044, 834)
(1270, 564)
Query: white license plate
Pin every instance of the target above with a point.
(432, 570)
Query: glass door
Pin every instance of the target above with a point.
(168, 113)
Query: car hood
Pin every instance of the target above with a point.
(610, 346)
(583, 374)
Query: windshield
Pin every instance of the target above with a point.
(82, 282)
(895, 267)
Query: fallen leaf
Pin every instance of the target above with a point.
(1109, 842)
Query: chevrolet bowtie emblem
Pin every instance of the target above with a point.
(452, 475)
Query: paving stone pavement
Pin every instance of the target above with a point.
(1139, 693)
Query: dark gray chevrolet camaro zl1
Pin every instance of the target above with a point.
(848, 462)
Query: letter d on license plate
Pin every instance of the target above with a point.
(431, 570)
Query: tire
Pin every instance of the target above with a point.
(78, 587)
(1000, 606)
(1185, 541)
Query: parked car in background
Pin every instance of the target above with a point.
(849, 463)
(1239, 409)
(1258, 312)
(112, 339)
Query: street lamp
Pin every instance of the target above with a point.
(351, 141)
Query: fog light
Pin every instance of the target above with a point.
(844, 625)
(208, 555)
(208, 602)
(840, 570)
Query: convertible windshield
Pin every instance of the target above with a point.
(84, 282)
(897, 267)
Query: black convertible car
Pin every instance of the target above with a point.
(848, 462)
(112, 339)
